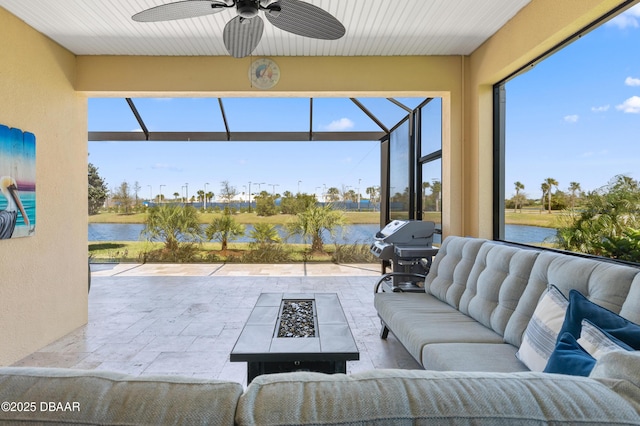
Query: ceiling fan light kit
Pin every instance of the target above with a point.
(242, 34)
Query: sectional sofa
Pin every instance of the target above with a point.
(489, 315)
(376, 397)
(480, 297)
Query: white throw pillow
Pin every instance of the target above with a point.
(597, 342)
(540, 337)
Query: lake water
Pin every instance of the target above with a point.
(132, 232)
(528, 234)
(359, 233)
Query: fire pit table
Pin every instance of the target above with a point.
(315, 335)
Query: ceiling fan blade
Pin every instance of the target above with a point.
(305, 19)
(180, 10)
(241, 36)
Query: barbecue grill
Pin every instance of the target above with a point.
(406, 246)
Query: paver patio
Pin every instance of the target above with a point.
(181, 319)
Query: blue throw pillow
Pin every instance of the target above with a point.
(569, 358)
(581, 308)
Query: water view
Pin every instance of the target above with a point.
(362, 233)
(357, 233)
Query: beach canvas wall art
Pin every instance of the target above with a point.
(17, 183)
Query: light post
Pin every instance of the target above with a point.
(324, 192)
(261, 183)
(160, 200)
(186, 185)
(249, 196)
(359, 180)
(205, 195)
(150, 193)
(273, 186)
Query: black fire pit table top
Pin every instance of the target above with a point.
(258, 342)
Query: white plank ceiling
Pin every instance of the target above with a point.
(373, 28)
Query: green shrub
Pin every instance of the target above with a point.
(184, 253)
(267, 253)
(353, 253)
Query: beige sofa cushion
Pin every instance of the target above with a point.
(447, 278)
(499, 276)
(620, 371)
(415, 329)
(631, 306)
(108, 398)
(403, 397)
(496, 357)
(390, 304)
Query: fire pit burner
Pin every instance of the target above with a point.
(297, 319)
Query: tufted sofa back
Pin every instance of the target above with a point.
(499, 277)
(447, 278)
(500, 285)
(613, 286)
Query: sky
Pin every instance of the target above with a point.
(575, 116)
(308, 167)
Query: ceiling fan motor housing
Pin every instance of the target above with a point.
(248, 8)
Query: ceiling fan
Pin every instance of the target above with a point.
(243, 33)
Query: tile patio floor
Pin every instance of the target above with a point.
(184, 319)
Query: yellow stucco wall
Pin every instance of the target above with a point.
(43, 278)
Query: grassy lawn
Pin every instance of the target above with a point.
(130, 251)
(535, 217)
(532, 217)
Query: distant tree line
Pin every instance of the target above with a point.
(550, 200)
(124, 198)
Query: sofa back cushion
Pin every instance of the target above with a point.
(447, 278)
(619, 371)
(109, 398)
(421, 397)
(604, 283)
(497, 280)
(631, 306)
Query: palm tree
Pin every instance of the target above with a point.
(545, 188)
(176, 195)
(171, 224)
(574, 188)
(200, 195)
(436, 189)
(265, 233)
(519, 186)
(333, 194)
(313, 221)
(373, 192)
(551, 182)
(607, 224)
(425, 186)
(223, 229)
